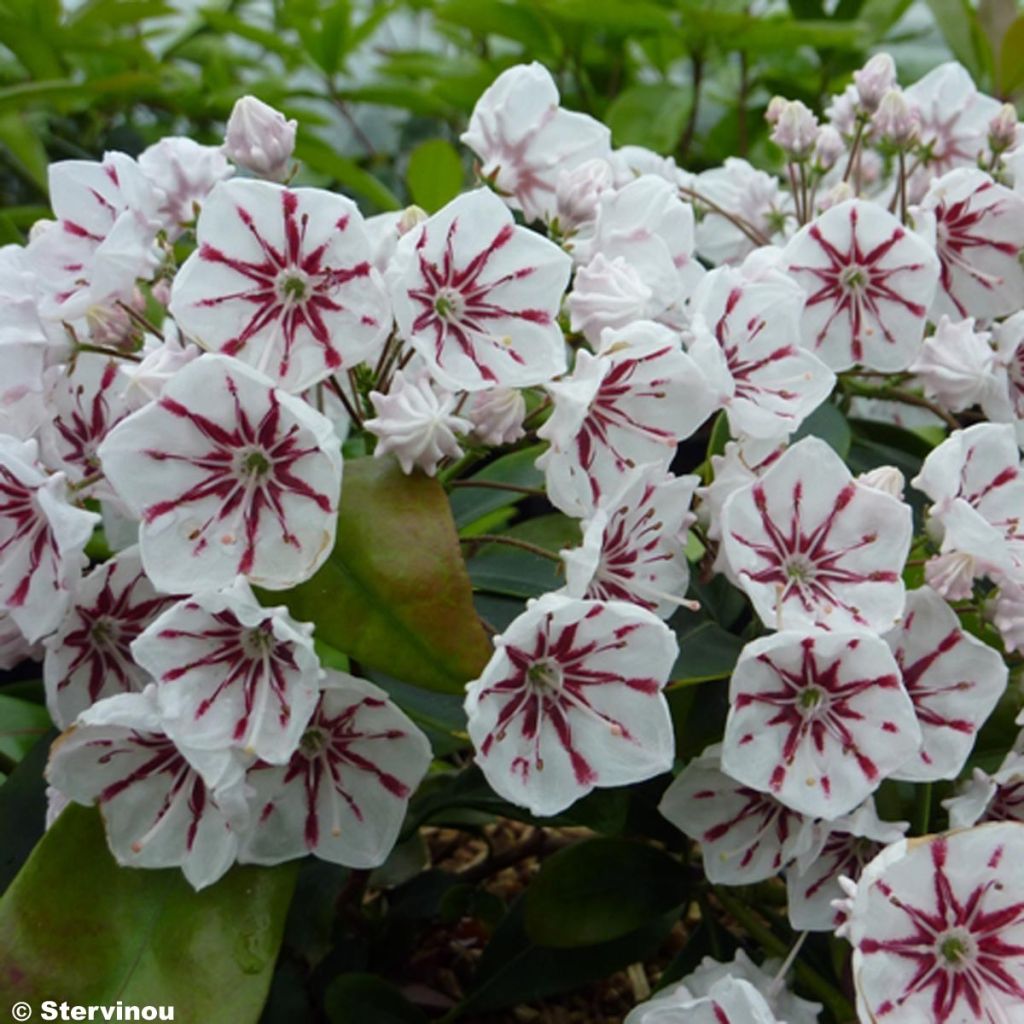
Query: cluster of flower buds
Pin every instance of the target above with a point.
(625, 302)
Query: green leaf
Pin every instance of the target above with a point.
(74, 922)
(518, 468)
(505, 569)
(22, 141)
(394, 593)
(365, 998)
(22, 723)
(569, 902)
(1011, 58)
(958, 24)
(828, 423)
(434, 174)
(324, 160)
(23, 809)
(706, 652)
(649, 115)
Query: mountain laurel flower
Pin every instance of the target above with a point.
(577, 195)
(477, 296)
(572, 700)
(42, 540)
(161, 359)
(14, 648)
(979, 228)
(231, 673)
(974, 479)
(634, 545)
(954, 681)
(996, 797)
(417, 423)
(795, 130)
(283, 280)
(497, 415)
(740, 463)
(887, 479)
(729, 1001)
(1004, 129)
(185, 173)
(869, 284)
(607, 294)
(259, 138)
(157, 809)
(818, 720)
(524, 140)
(937, 929)
(629, 405)
(746, 341)
(89, 656)
(229, 476)
(1007, 614)
(745, 835)
(957, 365)
(828, 148)
(844, 846)
(343, 794)
(875, 80)
(812, 546)
(895, 120)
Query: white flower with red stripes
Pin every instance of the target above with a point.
(282, 279)
(229, 476)
(571, 700)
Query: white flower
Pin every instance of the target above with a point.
(145, 381)
(1008, 616)
(896, 120)
(42, 540)
(874, 80)
(957, 365)
(525, 140)
(259, 138)
(572, 699)
(729, 1001)
(607, 294)
(578, 192)
(283, 280)
(477, 296)
(869, 283)
(497, 415)
(229, 476)
(818, 719)
(417, 423)
(811, 546)
(795, 130)
(157, 810)
(887, 479)
(741, 463)
(343, 794)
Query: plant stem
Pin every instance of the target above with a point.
(757, 237)
(349, 408)
(102, 350)
(893, 394)
(512, 542)
(923, 808)
(144, 322)
(696, 80)
(497, 485)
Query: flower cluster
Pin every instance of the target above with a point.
(171, 459)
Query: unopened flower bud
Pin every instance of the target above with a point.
(828, 148)
(796, 130)
(896, 120)
(775, 108)
(410, 217)
(259, 139)
(874, 80)
(1002, 129)
(884, 478)
(578, 191)
(497, 415)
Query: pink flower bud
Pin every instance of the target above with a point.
(796, 130)
(1002, 129)
(895, 120)
(259, 138)
(775, 108)
(874, 80)
(951, 575)
(828, 148)
(884, 478)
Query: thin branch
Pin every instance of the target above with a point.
(512, 542)
(756, 236)
(144, 322)
(349, 408)
(696, 80)
(113, 353)
(497, 485)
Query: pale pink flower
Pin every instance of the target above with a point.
(1008, 615)
(974, 479)
(952, 575)
(634, 543)
(746, 836)
(954, 681)
(746, 340)
(525, 140)
(896, 120)
(497, 415)
(729, 1001)
(979, 232)
(577, 195)
(417, 423)
(229, 476)
(818, 720)
(283, 280)
(869, 284)
(478, 297)
(811, 546)
(937, 927)
(629, 405)
(185, 173)
(231, 673)
(828, 148)
(343, 794)
(156, 809)
(145, 381)
(874, 80)
(572, 699)
(795, 129)
(957, 365)
(607, 294)
(844, 846)
(259, 138)
(42, 540)
(89, 657)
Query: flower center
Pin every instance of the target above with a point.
(799, 568)
(292, 286)
(255, 463)
(854, 277)
(448, 304)
(544, 677)
(258, 641)
(956, 947)
(811, 698)
(314, 741)
(103, 632)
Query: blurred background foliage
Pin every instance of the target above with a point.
(382, 88)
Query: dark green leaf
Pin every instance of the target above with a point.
(1011, 58)
(517, 468)
(649, 115)
(828, 423)
(706, 652)
(394, 594)
(505, 569)
(323, 159)
(74, 922)
(434, 174)
(22, 724)
(367, 999)
(23, 809)
(568, 903)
